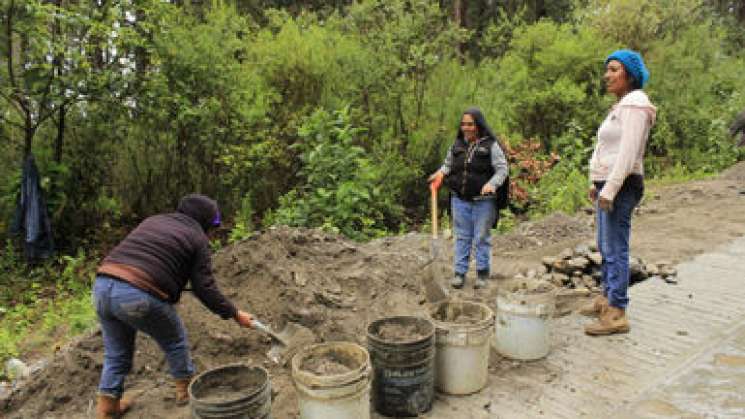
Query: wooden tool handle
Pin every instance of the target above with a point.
(434, 212)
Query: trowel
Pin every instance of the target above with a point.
(433, 287)
(282, 340)
(288, 339)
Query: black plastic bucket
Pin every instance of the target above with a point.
(234, 391)
(403, 366)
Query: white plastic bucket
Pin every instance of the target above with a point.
(523, 327)
(339, 396)
(462, 337)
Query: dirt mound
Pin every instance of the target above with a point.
(549, 230)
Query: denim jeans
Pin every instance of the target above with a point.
(613, 234)
(472, 222)
(123, 310)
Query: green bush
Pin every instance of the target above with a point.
(343, 191)
(563, 189)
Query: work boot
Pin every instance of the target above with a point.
(595, 307)
(481, 278)
(182, 390)
(458, 280)
(611, 321)
(109, 407)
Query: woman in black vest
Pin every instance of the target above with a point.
(474, 169)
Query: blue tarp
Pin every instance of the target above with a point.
(31, 217)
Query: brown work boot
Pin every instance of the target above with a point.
(613, 320)
(182, 390)
(126, 403)
(109, 407)
(595, 307)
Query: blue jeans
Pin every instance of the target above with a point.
(472, 222)
(613, 234)
(123, 310)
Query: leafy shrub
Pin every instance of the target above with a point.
(343, 191)
(564, 189)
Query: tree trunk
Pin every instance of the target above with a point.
(28, 131)
(59, 141)
(460, 11)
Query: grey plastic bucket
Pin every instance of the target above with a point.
(234, 391)
(403, 370)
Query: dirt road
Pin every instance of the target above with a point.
(335, 287)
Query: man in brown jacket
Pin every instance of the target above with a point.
(137, 285)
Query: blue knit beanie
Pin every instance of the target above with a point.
(634, 65)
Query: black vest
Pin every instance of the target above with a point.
(471, 167)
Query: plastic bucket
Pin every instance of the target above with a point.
(523, 325)
(463, 335)
(402, 350)
(338, 389)
(234, 391)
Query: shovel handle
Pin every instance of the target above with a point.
(433, 199)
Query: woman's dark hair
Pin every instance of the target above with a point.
(483, 127)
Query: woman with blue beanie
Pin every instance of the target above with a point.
(617, 184)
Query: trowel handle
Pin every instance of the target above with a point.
(433, 196)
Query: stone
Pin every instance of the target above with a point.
(636, 268)
(562, 266)
(588, 281)
(566, 254)
(558, 278)
(548, 261)
(596, 258)
(652, 269)
(299, 280)
(578, 263)
(16, 369)
(669, 271)
(581, 250)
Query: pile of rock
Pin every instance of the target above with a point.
(580, 269)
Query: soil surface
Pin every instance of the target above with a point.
(327, 365)
(335, 288)
(400, 332)
(459, 313)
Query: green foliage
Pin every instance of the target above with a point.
(563, 189)
(156, 99)
(636, 24)
(343, 190)
(42, 305)
(697, 90)
(244, 224)
(507, 221)
(549, 81)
